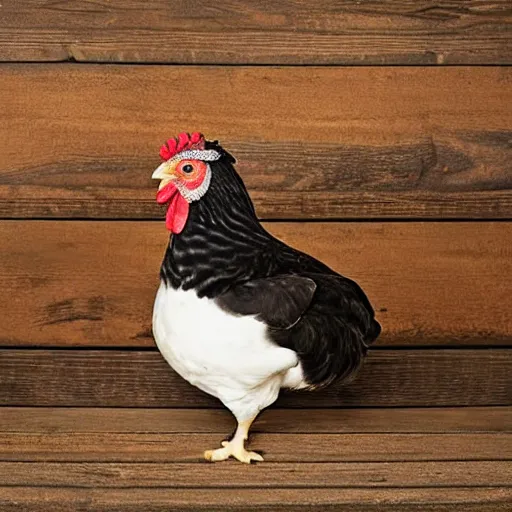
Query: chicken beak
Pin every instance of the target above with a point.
(163, 172)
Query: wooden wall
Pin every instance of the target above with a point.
(374, 135)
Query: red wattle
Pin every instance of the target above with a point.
(177, 214)
(165, 194)
(177, 211)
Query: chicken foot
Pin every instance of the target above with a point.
(236, 447)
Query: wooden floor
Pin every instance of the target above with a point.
(114, 459)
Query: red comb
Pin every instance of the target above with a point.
(182, 142)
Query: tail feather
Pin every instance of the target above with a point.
(373, 332)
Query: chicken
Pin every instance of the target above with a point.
(238, 313)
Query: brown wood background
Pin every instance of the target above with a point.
(403, 148)
(374, 135)
(265, 32)
(312, 142)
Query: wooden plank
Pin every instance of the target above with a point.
(94, 283)
(231, 475)
(341, 142)
(390, 378)
(286, 32)
(452, 499)
(64, 420)
(318, 448)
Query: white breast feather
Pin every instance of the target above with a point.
(227, 356)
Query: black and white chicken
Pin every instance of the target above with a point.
(238, 313)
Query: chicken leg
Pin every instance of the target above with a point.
(236, 447)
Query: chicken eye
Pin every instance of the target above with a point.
(187, 168)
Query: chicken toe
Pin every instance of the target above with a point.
(232, 450)
(235, 448)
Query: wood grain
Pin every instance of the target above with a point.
(286, 32)
(118, 378)
(299, 448)
(287, 475)
(454, 499)
(94, 283)
(63, 420)
(316, 142)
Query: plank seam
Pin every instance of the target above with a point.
(71, 60)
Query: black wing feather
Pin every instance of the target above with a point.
(279, 301)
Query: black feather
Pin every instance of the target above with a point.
(333, 335)
(279, 301)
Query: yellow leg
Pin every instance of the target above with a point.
(235, 448)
